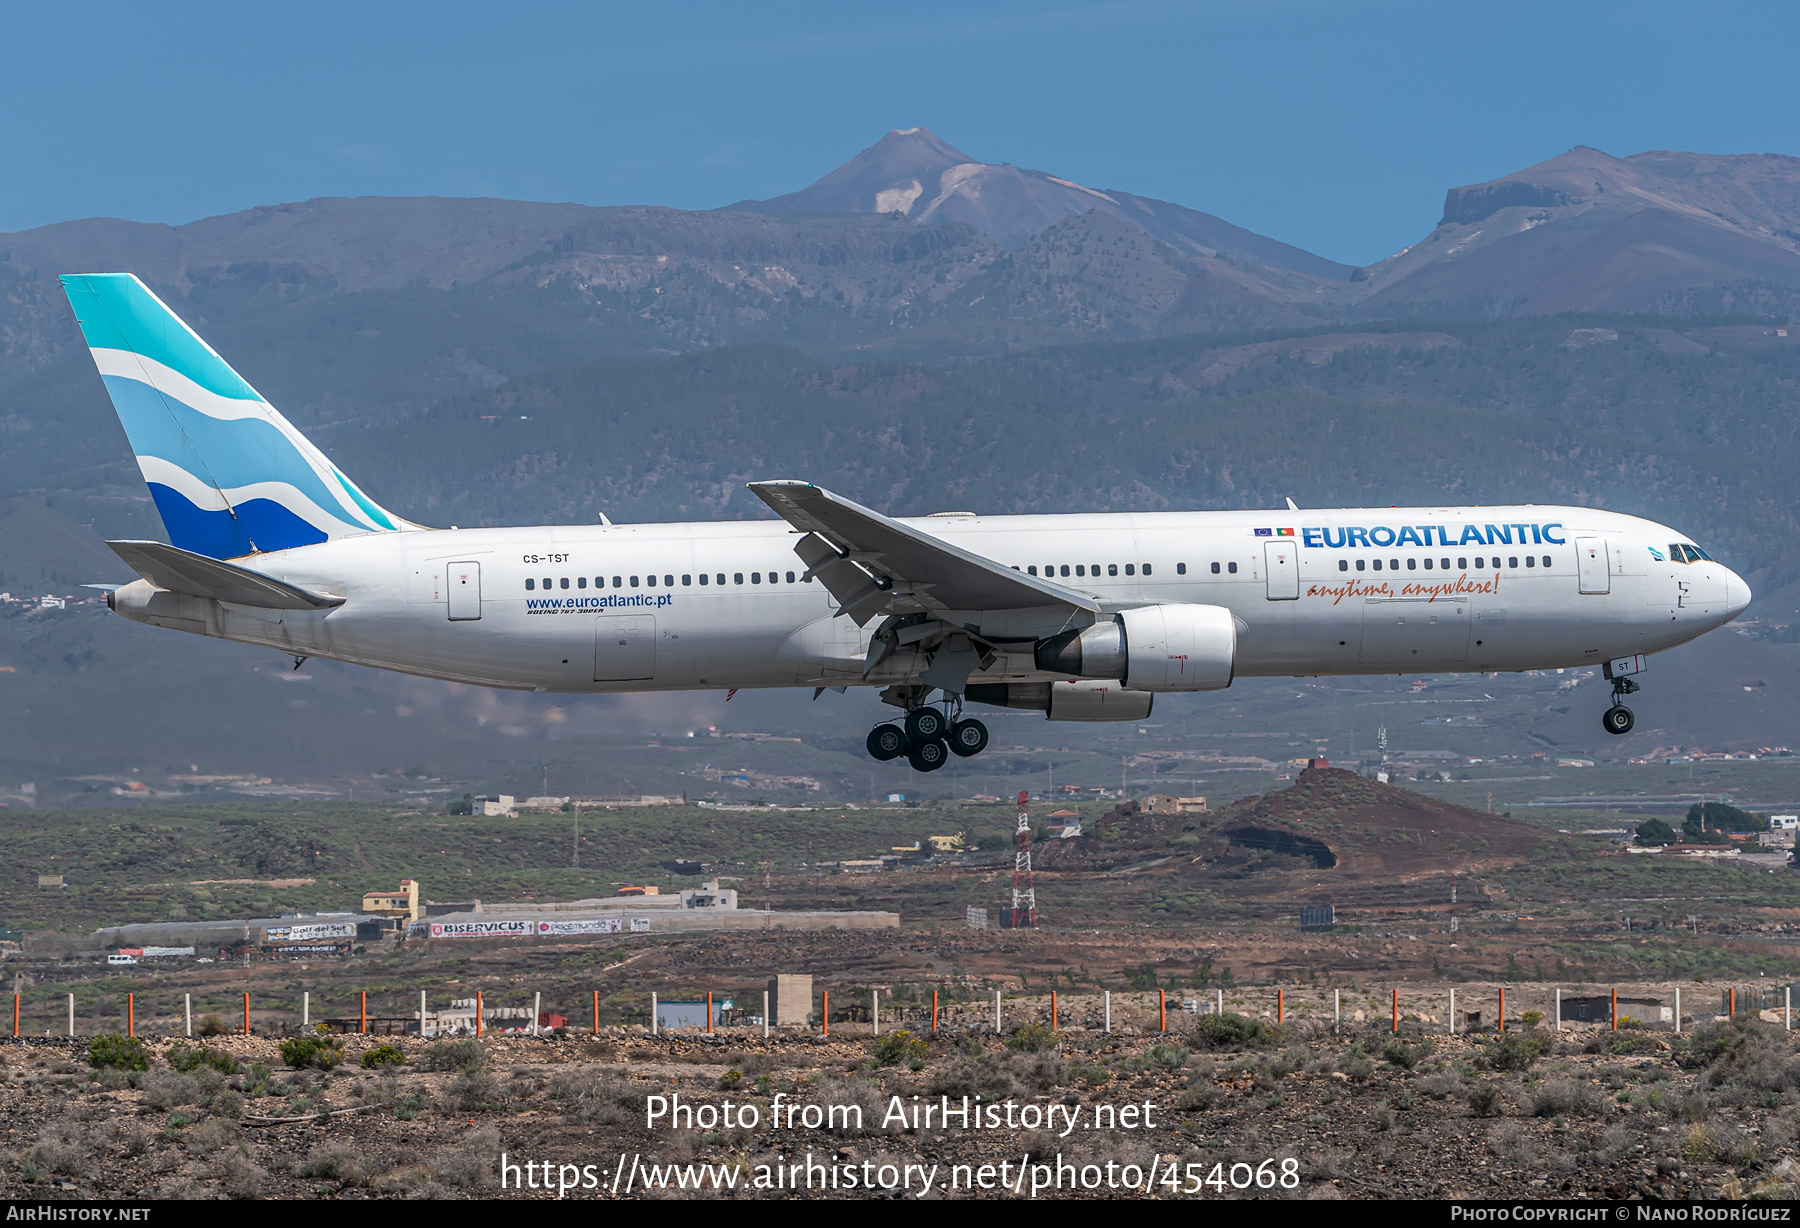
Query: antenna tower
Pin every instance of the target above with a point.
(1024, 898)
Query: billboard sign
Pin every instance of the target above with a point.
(310, 933)
(480, 929)
(600, 925)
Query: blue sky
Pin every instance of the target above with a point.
(1334, 126)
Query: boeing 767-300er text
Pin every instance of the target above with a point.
(1084, 617)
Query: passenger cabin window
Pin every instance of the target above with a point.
(1412, 564)
(634, 582)
(547, 583)
(1377, 564)
(687, 581)
(1065, 569)
(790, 577)
(1531, 560)
(1343, 564)
(1031, 570)
(1463, 563)
(580, 581)
(737, 577)
(703, 578)
(530, 584)
(1080, 570)
(668, 581)
(1112, 569)
(565, 582)
(721, 578)
(1359, 564)
(756, 577)
(1215, 569)
(1147, 568)
(1479, 564)
(619, 582)
(650, 580)
(1512, 562)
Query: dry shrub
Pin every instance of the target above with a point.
(476, 1090)
(62, 1147)
(597, 1097)
(338, 1162)
(132, 1139)
(453, 1055)
(1512, 1142)
(850, 1095)
(1567, 1098)
(213, 1134)
(164, 1089)
(238, 1175)
(1438, 1086)
(470, 1164)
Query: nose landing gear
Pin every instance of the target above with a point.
(927, 737)
(1618, 718)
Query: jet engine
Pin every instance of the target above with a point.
(1174, 647)
(1086, 700)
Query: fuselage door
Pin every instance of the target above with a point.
(1594, 564)
(1282, 566)
(463, 584)
(625, 648)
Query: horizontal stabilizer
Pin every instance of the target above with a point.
(183, 571)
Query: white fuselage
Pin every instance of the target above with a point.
(610, 608)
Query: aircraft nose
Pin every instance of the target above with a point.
(1737, 594)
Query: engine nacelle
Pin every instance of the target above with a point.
(1179, 647)
(1090, 699)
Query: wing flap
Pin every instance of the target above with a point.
(874, 564)
(183, 571)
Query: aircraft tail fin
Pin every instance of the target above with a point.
(229, 474)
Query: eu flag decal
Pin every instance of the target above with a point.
(1265, 532)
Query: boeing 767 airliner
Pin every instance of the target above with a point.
(1086, 617)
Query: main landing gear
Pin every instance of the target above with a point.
(928, 737)
(1618, 718)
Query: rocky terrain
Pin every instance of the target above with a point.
(1358, 1112)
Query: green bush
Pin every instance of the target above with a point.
(900, 1049)
(1230, 1029)
(1032, 1038)
(188, 1060)
(116, 1052)
(382, 1055)
(321, 1052)
(1405, 1056)
(1514, 1052)
(211, 1025)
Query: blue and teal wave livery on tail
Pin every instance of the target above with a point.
(229, 474)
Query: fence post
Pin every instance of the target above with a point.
(421, 1014)
(875, 1012)
(1557, 1006)
(477, 1014)
(130, 1014)
(766, 1012)
(1677, 1009)
(1162, 1010)
(537, 1012)
(362, 1012)
(1615, 1008)
(305, 1008)
(246, 1014)
(1503, 1008)
(1732, 1008)
(1053, 1010)
(1453, 1012)
(597, 1012)
(709, 1012)
(934, 994)
(1219, 1006)
(1337, 1010)
(996, 1012)
(15, 1016)
(187, 1010)
(653, 1012)
(1787, 1009)
(1280, 1004)
(71, 1014)
(1106, 1003)
(1396, 1012)
(825, 1013)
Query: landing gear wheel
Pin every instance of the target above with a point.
(886, 742)
(925, 725)
(1618, 719)
(968, 737)
(928, 756)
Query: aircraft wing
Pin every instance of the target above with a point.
(183, 571)
(875, 565)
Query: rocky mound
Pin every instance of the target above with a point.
(1340, 821)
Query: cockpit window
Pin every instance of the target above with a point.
(1676, 554)
(1695, 554)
